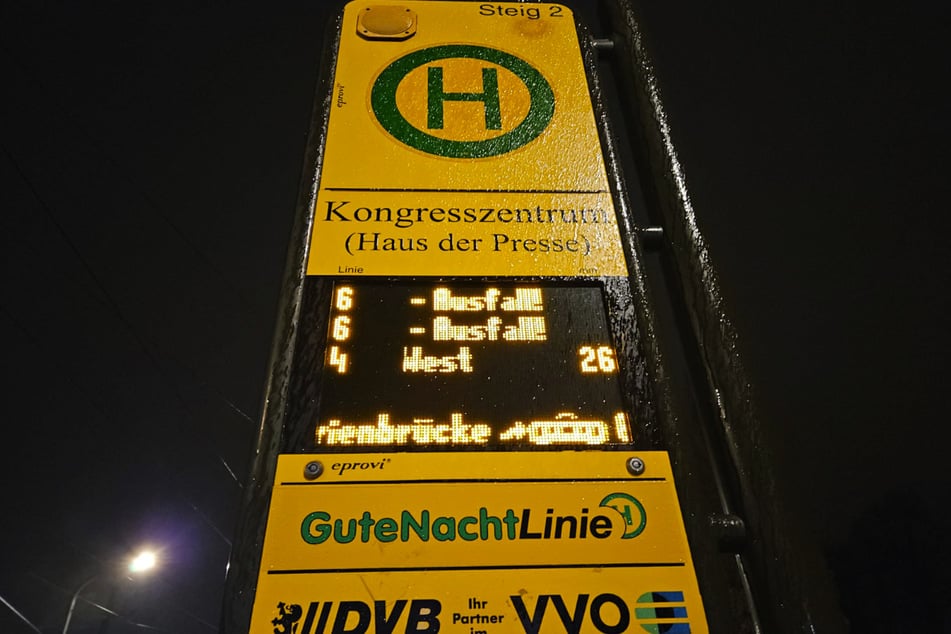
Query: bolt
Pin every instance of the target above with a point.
(730, 532)
(312, 470)
(652, 237)
(635, 466)
(602, 44)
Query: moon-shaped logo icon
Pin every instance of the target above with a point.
(630, 509)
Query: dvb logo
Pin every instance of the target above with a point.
(356, 617)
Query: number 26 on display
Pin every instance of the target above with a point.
(598, 359)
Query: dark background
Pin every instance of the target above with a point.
(150, 160)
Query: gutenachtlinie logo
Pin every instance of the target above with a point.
(462, 101)
(484, 524)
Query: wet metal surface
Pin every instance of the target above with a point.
(790, 584)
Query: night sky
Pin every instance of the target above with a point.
(150, 157)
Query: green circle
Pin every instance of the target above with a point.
(540, 112)
(637, 530)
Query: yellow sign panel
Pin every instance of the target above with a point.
(462, 141)
(475, 542)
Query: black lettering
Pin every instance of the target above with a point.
(572, 523)
(335, 211)
(361, 609)
(324, 615)
(533, 624)
(365, 243)
(572, 622)
(386, 625)
(309, 619)
(624, 615)
(600, 526)
(422, 616)
(485, 216)
(404, 217)
(523, 532)
(574, 216)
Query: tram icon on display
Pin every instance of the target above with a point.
(567, 429)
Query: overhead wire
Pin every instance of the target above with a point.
(20, 615)
(101, 410)
(149, 204)
(111, 302)
(104, 296)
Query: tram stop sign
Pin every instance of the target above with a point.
(465, 415)
(462, 141)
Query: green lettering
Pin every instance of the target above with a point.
(438, 96)
(408, 522)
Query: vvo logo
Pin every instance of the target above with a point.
(608, 613)
(462, 101)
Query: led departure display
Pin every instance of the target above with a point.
(462, 365)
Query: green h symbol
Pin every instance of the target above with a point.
(489, 98)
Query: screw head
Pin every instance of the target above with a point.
(635, 466)
(312, 470)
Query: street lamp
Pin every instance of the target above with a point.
(144, 561)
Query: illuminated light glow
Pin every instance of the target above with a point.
(528, 329)
(145, 560)
(622, 428)
(417, 330)
(565, 429)
(339, 360)
(417, 301)
(597, 360)
(415, 361)
(421, 431)
(341, 328)
(344, 299)
(524, 300)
